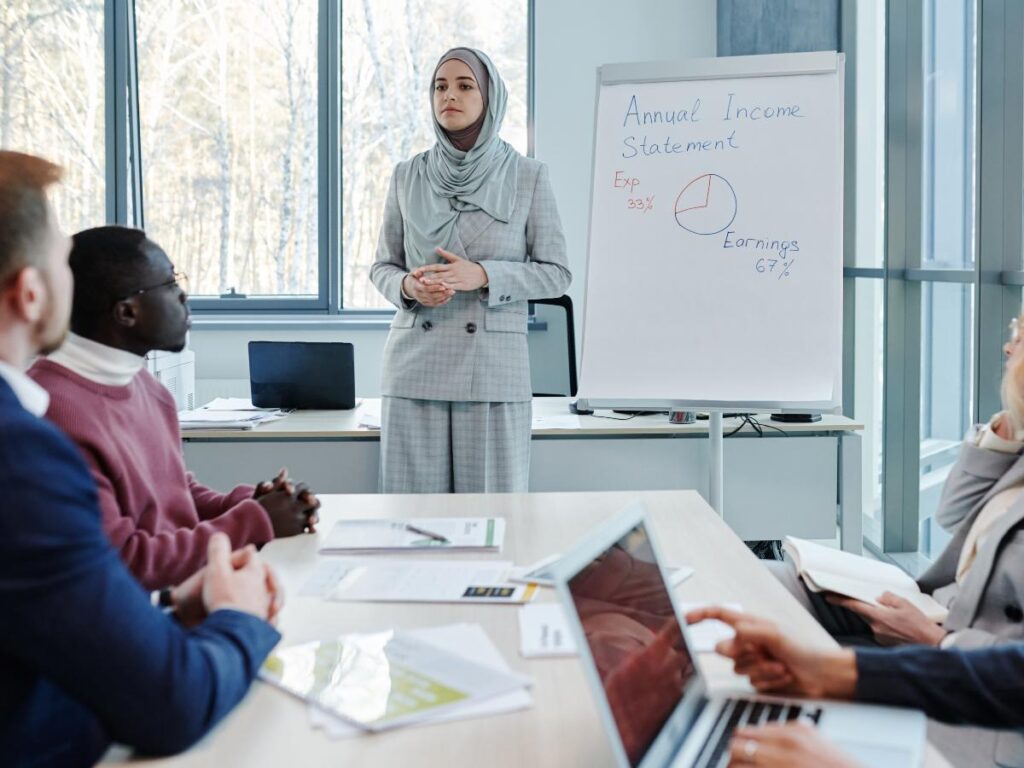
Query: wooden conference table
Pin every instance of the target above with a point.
(562, 728)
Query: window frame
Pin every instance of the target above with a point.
(126, 198)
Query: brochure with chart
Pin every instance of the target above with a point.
(472, 643)
(466, 534)
(384, 680)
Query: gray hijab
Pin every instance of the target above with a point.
(446, 181)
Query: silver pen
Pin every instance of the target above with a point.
(429, 534)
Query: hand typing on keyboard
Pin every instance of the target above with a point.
(795, 745)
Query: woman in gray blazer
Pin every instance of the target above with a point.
(470, 234)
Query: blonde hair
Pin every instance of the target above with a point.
(1012, 389)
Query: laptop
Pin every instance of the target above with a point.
(302, 375)
(654, 703)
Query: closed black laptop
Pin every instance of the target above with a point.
(302, 374)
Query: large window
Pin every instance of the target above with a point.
(952, 272)
(52, 97)
(947, 396)
(865, 295)
(228, 114)
(253, 139)
(949, 164)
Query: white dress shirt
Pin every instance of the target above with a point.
(32, 397)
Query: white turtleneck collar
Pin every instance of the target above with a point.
(98, 362)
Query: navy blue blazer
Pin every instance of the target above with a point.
(84, 657)
(977, 687)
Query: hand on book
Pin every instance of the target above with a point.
(895, 622)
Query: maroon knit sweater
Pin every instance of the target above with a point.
(155, 514)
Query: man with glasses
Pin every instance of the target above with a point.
(128, 301)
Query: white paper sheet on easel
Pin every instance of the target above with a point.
(473, 643)
(544, 631)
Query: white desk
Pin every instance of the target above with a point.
(799, 481)
(562, 728)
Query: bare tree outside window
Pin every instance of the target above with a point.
(228, 112)
(52, 97)
(389, 48)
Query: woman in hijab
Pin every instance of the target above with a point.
(470, 234)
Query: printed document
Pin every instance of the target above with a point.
(468, 534)
(474, 645)
(384, 680)
(416, 581)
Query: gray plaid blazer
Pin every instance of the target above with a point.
(474, 347)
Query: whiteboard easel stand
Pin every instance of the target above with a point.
(716, 462)
(762, 68)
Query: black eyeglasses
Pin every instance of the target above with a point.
(180, 279)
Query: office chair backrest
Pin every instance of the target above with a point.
(552, 341)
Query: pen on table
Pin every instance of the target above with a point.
(430, 534)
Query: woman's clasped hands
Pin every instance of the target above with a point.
(433, 285)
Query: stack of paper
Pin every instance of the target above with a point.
(204, 419)
(465, 534)
(350, 579)
(234, 404)
(369, 415)
(380, 681)
(228, 413)
(475, 646)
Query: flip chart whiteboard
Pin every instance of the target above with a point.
(714, 274)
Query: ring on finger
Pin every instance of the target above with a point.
(750, 750)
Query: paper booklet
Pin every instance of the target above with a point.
(474, 645)
(465, 534)
(384, 680)
(824, 569)
(415, 580)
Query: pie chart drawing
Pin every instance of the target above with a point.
(707, 205)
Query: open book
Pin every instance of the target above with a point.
(831, 570)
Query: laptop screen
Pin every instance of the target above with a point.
(634, 637)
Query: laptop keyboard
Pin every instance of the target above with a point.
(736, 713)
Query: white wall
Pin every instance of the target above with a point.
(572, 39)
